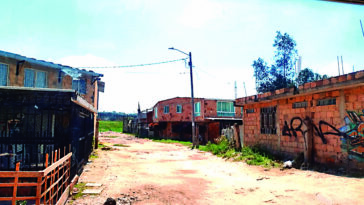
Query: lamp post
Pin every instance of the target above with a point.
(194, 139)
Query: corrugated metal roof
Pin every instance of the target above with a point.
(48, 64)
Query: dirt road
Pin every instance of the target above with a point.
(147, 172)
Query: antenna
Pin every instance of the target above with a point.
(338, 64)
(236, 90)
(342, 64)
(361, 27)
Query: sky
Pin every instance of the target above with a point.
(224, 37)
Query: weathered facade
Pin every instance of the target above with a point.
(172, 117)
(45, 107)
(322, 119)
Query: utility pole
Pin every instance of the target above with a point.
(195, 142)
(245, 90)
(235, 90)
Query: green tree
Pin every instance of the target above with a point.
(307, 75)
(281, 73)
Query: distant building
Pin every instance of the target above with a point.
(172, 117)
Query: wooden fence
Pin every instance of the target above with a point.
(48, 186)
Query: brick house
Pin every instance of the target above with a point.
(172, 117)
(45, 107)
(322, 119)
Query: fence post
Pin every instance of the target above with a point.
(15, 188)
(97, 134)
(39, 189)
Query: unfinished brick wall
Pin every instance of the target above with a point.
(338, 137)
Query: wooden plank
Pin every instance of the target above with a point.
(26, 184)
(50, 168)
(21, 174)
(63, 199)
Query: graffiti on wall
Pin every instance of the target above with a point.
(354, 129)
(351, 134)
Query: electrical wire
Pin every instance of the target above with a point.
(136, 65)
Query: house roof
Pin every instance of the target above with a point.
(349, 80)
(66, 69)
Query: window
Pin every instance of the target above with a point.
(198, 109)
(225, 109)
(330, 101)
(179, 109)
(268, 120)
(3, 74)
(250, 111)
(79, 86)
(299, 104)
(35, 78)
(156, 112)
(166, 109)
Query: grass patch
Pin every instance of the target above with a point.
(252, 156)
(101, 145)
(94, 155)
(80, 188)
(115, 126)
(169, 141)
(121, 145)
(111, 136)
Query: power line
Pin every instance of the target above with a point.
(136, 65)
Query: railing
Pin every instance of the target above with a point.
(48, 186)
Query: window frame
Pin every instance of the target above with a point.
(156, 112)
(35, 78)
(7, 74)
(222, 112)
(179, 106)
(79, 85)
(166, 109)
(268, 120)
(326, 102)
(197, 105)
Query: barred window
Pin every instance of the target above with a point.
(330, 101)
(299, 104)
(268, 120)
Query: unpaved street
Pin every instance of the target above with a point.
(147, 172)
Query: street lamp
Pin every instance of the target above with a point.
(195, 142)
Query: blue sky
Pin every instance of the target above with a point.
(223, 36)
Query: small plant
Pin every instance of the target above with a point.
(121, 145)
(24, 202)
(101, 145)
(80, 187)
(94, 155)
